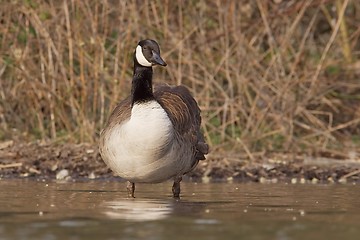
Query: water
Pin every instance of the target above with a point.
(100, 210)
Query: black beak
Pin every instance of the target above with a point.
(156, 59)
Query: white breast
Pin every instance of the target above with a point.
(133, 148)
(147, 130)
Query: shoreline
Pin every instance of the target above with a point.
(82, 161)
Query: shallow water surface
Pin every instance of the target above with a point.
(100, 210)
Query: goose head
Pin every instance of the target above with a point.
(147, 53)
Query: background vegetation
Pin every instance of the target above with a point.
(268, 75)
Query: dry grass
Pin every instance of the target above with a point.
(268, 76)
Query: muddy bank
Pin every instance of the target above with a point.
(82, 161)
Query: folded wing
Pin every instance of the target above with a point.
(184, 114)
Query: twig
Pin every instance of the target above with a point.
(328, 45)
(344, 34)
(10, 165)
(350, 174)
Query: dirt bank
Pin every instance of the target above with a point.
(82, 161)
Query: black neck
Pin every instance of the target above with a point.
(141, 90)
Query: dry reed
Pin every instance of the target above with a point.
(268, 75)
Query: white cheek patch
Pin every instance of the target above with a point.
(141, 58)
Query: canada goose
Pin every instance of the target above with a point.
(153, 136)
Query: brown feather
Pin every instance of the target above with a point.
(184, 114)
(121, 112)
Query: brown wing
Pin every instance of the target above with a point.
(184, 114)
(121, 112)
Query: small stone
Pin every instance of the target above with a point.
(92, 175)
(205, 179)
(330, 180)
(88, 151)
(293, 180)
(263, 180)
(314, 180)
(62, 174)
(342, 180)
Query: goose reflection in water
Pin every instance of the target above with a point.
(138, 210)
(149, 209)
